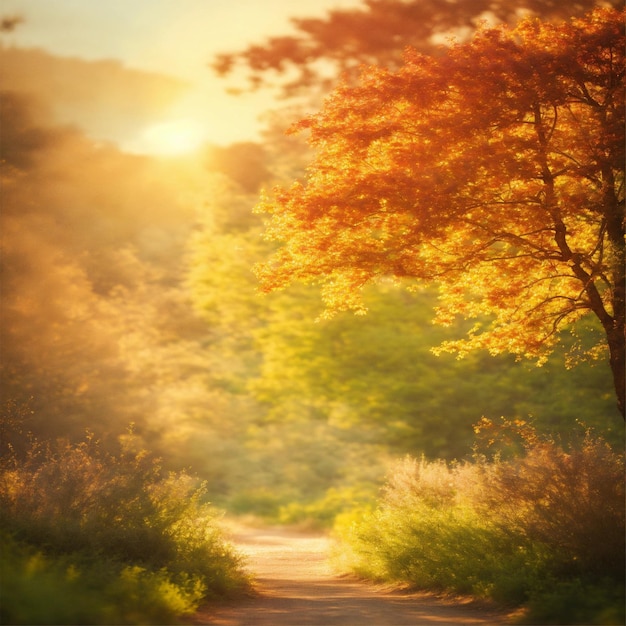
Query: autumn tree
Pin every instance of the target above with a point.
(319, 49)
(494, 170)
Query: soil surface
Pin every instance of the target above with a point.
(296, 586)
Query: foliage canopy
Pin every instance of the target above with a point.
(507, 191)
(375, 32)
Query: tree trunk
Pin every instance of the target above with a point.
(617, 359)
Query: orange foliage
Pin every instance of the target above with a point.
(495, 170)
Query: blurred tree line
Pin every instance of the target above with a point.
(128, 298)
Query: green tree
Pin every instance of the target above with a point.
(376, 377)
(507, 191)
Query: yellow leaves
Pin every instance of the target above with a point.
(483, 169)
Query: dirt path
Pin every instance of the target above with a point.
(297, 587)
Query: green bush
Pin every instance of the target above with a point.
(261, 502)
(153, 528)
(599, 602)
(521, 531)
(426, 534)
(321, 513)
(313, 511)
(64, 589)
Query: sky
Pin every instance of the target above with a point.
(173, 37)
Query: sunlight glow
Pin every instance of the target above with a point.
(173, 137)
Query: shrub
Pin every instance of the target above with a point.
(572, 501)
(322, 512)
(525, 530)
(63, 589)
(261, 502)
(425, 533)
(599, 602)
(75, 501)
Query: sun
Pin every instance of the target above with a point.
(173, 137)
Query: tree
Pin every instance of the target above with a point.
(375, 33)
(495, 170)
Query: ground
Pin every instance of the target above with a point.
(296, 586)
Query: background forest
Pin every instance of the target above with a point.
(130, 310)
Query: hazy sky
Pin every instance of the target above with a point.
(175, 37)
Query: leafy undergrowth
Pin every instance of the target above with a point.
(94, 538)
(542, 529)
(314, 513)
